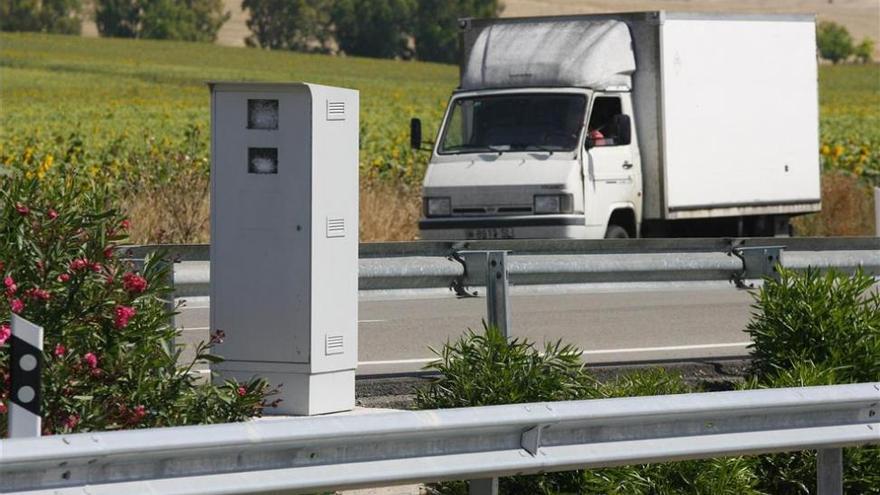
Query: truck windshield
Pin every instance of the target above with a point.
(521, 122)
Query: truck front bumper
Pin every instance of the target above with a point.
(506, 227)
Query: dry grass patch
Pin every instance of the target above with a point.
(389, 213)
(847, 209)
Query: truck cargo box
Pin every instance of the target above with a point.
(726, 106)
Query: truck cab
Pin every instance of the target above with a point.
(534, 163)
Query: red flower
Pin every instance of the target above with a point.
(108, 252)
(123, 314)
(138, 413)
(59, 350)
(16, 305)
(2, 408)
(242, 391)
(5, 333)
(64, 277)
(79, 264)
(52, 214)
(38, 294)
(10, 285)
(125, 224)
(71, 421)
(134, 283)
(22, 209)
(96, 267)
(91, 360)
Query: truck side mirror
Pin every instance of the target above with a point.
(623, 126)
(415, 134)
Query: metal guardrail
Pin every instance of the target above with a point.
(435, 264)
(479, 443)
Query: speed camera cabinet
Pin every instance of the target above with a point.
(284, 239)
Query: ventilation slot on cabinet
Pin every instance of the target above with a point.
(333, 344)
(335, 110)
(335, 227)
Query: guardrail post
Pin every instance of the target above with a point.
(497, 301)
(829, 472)
(485, 486)
(26, 363)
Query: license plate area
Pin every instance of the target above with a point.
(490, 233)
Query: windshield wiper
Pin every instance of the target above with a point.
(475, 148)
(539, 147)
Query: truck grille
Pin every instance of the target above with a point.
(492, 210)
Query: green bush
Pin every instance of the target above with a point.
(110, 362)
(48, 16)
(188, 20)
(831, 320)
(864, 51)
(486, 369)
(436, 26)
(814, 329)
(834, 41)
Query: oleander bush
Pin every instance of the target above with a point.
(485, 369)
(110, 361)
(812, 328)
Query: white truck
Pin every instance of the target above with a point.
(648, 124)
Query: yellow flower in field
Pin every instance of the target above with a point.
(825, 150)
(859, 171)
(838, 150)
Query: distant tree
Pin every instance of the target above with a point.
(187, 20)
(864, 51)
(436, 25)
(835, 43)
(373, 28)
(302, 25)
(48, 16)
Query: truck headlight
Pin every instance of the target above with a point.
(438, 207)
(553, 203)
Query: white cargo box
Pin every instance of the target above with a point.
(726, 106)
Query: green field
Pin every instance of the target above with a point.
(124, 104)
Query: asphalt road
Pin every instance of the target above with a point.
(610, 325)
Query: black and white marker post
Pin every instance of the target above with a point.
(26, 361)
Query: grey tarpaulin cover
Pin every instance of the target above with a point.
(592, 54)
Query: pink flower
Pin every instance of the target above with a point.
(64, 277)
(79, 264)
(2, 407)
(16, 305)
(38, 294)
(91, 360)
(134, 283)
(59, 350)
(242, 391)
(71, 421)
(125, 224)
(9, 283)
(52, 214)
(108, 252)
(5, 333)
(138, 413)
(96, 267)
(22, 209)
(123, 314)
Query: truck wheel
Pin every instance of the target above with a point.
(616, 232)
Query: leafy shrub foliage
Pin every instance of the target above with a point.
(48, 16)
(110, 362)
(373, 28)
(486, 369)
(834, 41)
(301, 25)
(812, 329)
(188, 20)
(831, 320)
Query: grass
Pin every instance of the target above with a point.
(117, 97)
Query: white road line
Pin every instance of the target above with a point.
(600, 351)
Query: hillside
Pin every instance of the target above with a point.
(861, 17)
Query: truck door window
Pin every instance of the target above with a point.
(520, 122)
(600, 129)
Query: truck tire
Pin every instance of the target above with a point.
(616, 232)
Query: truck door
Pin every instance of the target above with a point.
(613, 175)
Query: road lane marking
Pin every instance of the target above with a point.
(599, 351)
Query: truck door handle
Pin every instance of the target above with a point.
(627, 165)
